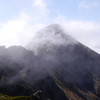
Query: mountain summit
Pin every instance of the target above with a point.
(73, 66)
(56, 65)
(50, 36)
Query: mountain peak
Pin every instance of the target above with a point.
(54, 26)
(49, 31)
(52, 35)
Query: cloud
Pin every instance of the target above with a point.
(21, 29)
(86, 32)
(39, 3)
(95, 4)
(9, 30)
(18, 31)
(83, 5)
(87, 5)
(40, 7)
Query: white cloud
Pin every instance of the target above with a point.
(39, 3)
(86, 32)
(95, 4)
(83, 5)
(87, 5)
(21, 29)
(18, 31)
(40, 8)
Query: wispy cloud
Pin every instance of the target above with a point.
(21, 29)
(40, 7)
(87, 5)
(39, 3)
(86, 32)
(95, 4)
(18, 31)
(83, 5)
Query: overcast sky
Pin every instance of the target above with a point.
(21, 19)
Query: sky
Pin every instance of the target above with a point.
(21, 19)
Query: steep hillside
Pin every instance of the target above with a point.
(76, 72)
(22, 74)
(56, 64)
(74, 67)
